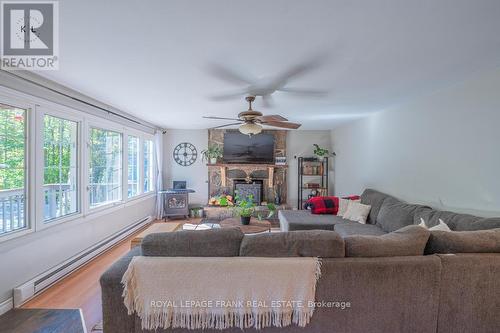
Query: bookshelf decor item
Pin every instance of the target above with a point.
(312, 178)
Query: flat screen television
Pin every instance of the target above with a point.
(241, 148)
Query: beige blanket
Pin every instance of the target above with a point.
(197, 292)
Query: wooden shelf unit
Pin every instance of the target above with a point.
(312, 168)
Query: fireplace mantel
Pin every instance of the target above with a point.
(250, 165)
(247, 167)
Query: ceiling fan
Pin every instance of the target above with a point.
(266, 86)
(251, 121)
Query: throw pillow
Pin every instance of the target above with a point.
(480, 241)
(357, 212)
(441, 226)
(323, 205)
(343, 203)
(407, 241)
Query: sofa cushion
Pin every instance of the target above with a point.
(395, 214)
(311, 243)
(374, 199)
(456, 221)
(408, 241)
(354, 228)
(303, 220)
(480, 241)
(204, 243)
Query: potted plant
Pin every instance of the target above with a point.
(244, 208)
(321, 152)
(271, 211)
(211, 154)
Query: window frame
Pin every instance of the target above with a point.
(137, 135)
(29, 177)
(36, 108)
(153, 164)
(142, 136)
(70, 115)
(105, 126)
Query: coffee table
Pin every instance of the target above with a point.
(255, 226)
(154, 228)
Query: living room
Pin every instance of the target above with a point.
(323, 166)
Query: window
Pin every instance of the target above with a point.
(105, 167)
(60, 173)
(148, 166)
(12, 169)
(133, 166)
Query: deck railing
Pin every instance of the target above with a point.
(58, 201)
(12, 210)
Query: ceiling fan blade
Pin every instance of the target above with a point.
(282, 124)
(222, 118)
(302, 68)
(272, 117)
(232, 124)
(231, 75)
(304, 92)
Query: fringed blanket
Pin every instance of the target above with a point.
(201, 292)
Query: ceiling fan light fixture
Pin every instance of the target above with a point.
(250, 129)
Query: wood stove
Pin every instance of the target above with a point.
(175, 202)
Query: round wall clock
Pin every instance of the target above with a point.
(185, 154)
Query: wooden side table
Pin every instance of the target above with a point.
(255, 226)
(154, 228)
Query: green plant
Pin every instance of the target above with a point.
(211, 152)
(223, 201)
(272, 210)
(244, 206)
(321, 152)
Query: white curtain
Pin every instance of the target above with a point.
(159, 172)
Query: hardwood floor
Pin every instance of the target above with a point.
(81, 288)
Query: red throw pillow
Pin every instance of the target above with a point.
(324, 205)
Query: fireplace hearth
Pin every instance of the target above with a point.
(245, 188)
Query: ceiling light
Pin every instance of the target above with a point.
(250, 129)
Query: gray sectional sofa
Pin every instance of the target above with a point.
(410, 292)
(386, 215)
(379, 268)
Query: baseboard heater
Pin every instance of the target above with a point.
(29, 289)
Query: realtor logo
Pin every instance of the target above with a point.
(30, 35)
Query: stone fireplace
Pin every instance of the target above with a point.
(223, 178)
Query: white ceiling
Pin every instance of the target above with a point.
(149, 58)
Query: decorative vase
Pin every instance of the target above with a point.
(245, 220)
(213, 160)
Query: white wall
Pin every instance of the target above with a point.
(442, 150)
(196, 174)
(300, 144)
(24, 258)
